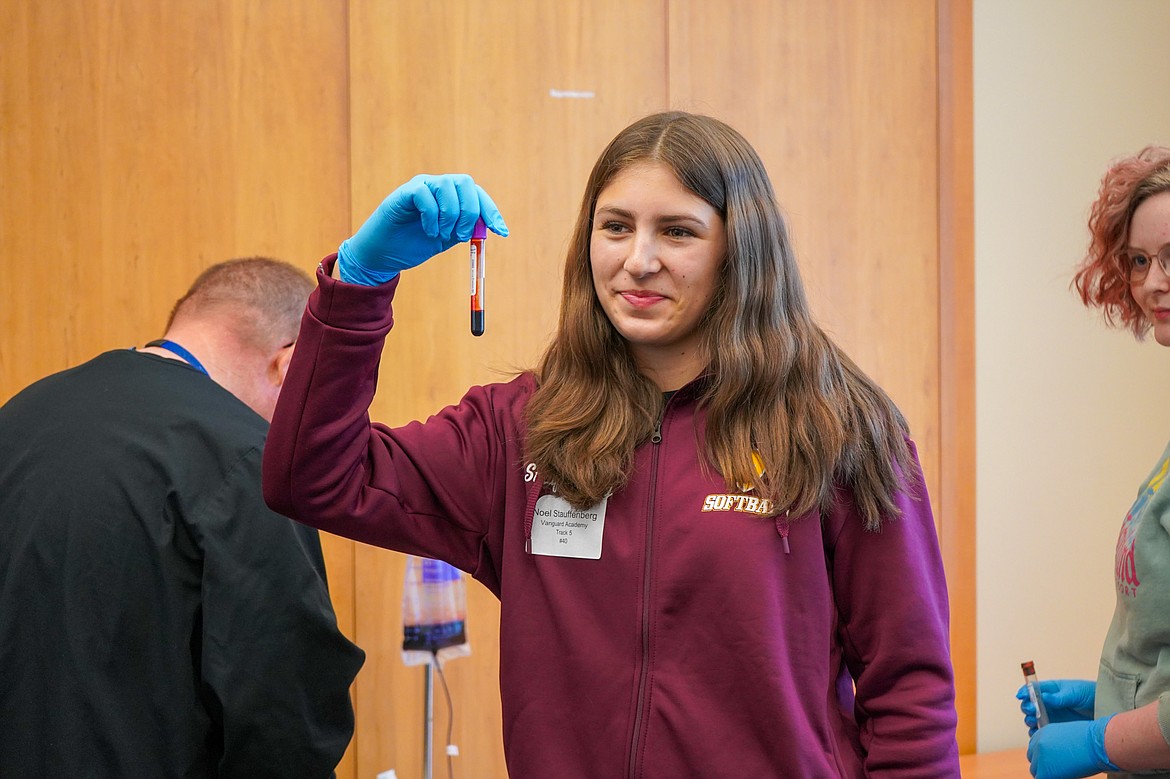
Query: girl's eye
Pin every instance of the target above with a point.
(678, 232)
(613, 227)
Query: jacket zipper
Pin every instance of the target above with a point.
(644, 676)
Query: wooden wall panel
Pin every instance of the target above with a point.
(523, 96)
(141, 142)
(955, 500)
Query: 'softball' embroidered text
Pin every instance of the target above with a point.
(742, 503)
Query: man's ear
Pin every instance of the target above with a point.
(278, 364)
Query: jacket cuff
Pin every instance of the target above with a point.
(351, 306)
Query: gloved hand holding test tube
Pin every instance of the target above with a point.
(1064, 739)
(1054, 700)
(1034, 698)
(424, 217)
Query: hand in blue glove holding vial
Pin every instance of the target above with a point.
(1064, 700)
(424, 217)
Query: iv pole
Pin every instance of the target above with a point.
(429, 715)
(434, 612)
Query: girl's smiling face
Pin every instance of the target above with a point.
(655, 252)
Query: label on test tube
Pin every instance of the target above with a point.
(1030, 681)
(478, 269)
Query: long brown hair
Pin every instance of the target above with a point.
(778, 386)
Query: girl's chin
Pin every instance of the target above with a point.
(1162, 333)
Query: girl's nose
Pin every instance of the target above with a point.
(643, 257)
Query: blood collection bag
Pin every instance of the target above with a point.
(434, 612)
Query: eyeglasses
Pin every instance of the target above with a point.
(1138, 263)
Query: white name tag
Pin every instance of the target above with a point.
(560, 530)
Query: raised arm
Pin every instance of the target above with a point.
(325, 464)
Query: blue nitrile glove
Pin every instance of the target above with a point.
(424, 217)
(1068, 750)
(1065, 700)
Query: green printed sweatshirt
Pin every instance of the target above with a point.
(1135, 661)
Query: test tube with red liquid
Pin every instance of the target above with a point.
(478, 261)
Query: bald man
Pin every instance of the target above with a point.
(156, 618)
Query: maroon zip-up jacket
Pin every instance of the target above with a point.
(706, 640)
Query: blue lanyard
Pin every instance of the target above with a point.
(174, 348)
